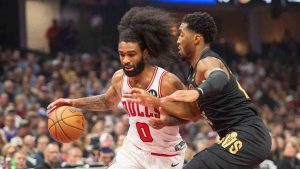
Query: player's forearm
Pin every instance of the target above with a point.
(94, 103)
(179, 109)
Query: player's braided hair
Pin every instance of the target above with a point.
(150, 28)
(202, 23)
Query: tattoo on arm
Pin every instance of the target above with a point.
(94, 103)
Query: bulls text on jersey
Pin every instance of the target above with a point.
(135, 109)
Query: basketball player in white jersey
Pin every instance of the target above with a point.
(144, 33)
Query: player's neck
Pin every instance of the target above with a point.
(143, 79)
(198, 52)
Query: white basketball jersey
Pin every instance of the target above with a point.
(142, 135)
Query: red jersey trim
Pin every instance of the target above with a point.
(164, 155)
(151, 81)
(160, 84)
(158, 154)
(152, 78)
(122, 85)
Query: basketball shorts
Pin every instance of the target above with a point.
(132, 157)
(243, 147)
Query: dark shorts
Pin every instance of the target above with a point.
(243, 147)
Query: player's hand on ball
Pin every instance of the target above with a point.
(182, 95)
(140, 96)
(58, 103)
(159, 123)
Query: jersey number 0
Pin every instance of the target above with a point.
(144, 132)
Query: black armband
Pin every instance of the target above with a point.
(215, 82)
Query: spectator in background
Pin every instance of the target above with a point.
(51, 157)
(94, 154)
(24, 128)
(21, 104)
(9, 89)
(34, 120)
(28, 91)
(2, 117)
(53, 35)
(4, 102)
(42, 142)
(28, 150)
(64, 148)
(92, 79)
(289, 160)
(73, 158)
(42, 128)
(44, 96)
(3, 140)
(120, 141)
(67, 73)
(40, 82)
(275, 151)
(106, 156)
(17, 142)
(8, 150)
(119, 129)
(20, 160)
(69, 37)
(98, 127)
(9, 128)
(107, 140)
(32, 61)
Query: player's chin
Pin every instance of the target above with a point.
(180, 52)
(181, 55)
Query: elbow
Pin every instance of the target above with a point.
(215, 83)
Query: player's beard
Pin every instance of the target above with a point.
(185, 55)
(137, 69)
(182, 54)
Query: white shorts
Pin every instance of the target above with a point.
(131, 157)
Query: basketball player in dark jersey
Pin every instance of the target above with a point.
(244, 139)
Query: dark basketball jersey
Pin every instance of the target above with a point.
(227, 108)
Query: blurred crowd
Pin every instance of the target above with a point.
(29, 81)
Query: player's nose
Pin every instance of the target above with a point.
(178, 41)
(126, 61)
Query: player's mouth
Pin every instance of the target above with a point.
(179, 50)
(128, 68)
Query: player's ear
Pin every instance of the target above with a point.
(198, 39)
(145, 54)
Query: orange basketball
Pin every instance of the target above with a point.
(66, 124)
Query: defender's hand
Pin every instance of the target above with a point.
(57, 103)
(182, 95)
(140, 96)
(159, 123)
